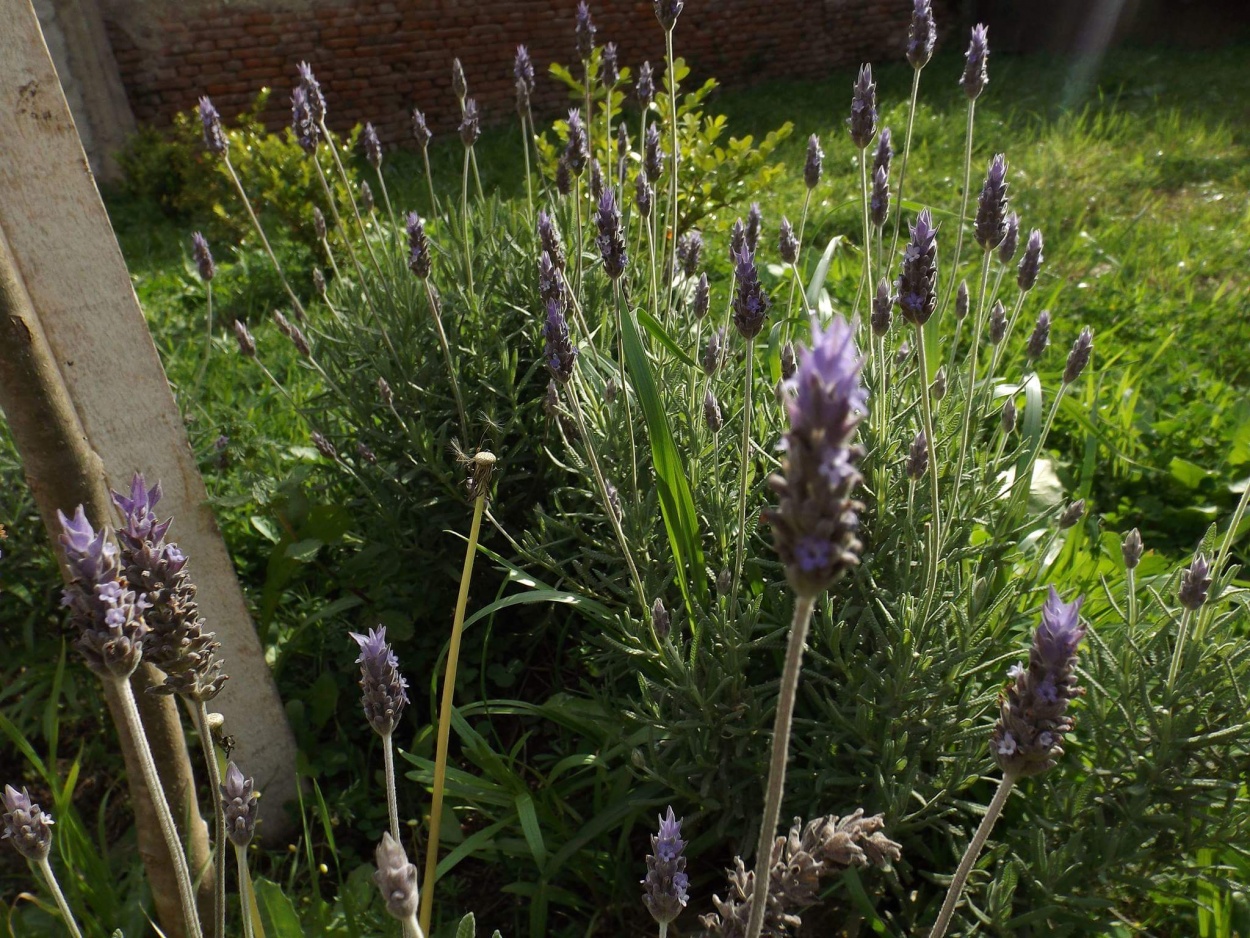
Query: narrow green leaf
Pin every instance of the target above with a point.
(817, 283)
(660, 334)
(531, 828)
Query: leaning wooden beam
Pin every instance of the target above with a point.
(68, 261)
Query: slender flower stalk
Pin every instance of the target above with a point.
(421, 133)
(479, 486)
(245, 890)
(671, 76)
(54, 887)
(29, 829)
(1195, 584)
(219, 821)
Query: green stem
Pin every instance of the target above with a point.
(392, 798)
(672, 214)
(219, 822)
(902, 172)
(977, 843)
(1179, 651)
(437, 316)
(807, 200)
(577, 214)
(935, 526)
(966, 430)
(245, 890)
(740, 548)
(444, 718)
(863, 182)
(208, 336)
(464, 224)
(629, 415)
(963, 209)
(273, 259)
(67, 916)
(429, 181)
(134, 724)
(351, 195)
(529, 183)
(777, 761)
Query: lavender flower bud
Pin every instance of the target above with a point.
(1031, 262)
(724, 583)
(312, 91)
(917, 282)
(815, 522)
(918, 457)
(1007, 249)
(921, 34)
(755, 221)
(975, 76)
(550, 283)
(611, 240)
(789, 364)
(523, 70)
(459, 84)
(614, 499)
(667, 11)
(1007, 417)
(366, 197)
(366, 454)
(660, 620)
(324, 446)
(902, 354)
(1033, 709)
(714, 354)
(1040, 337)
(396, 879)
(645, 88)
(577, 151)
(882, 308)
(609, 68)
(319, 224)
(879, 205)
(561, 354)
(1195, 581)
(702, 297)
(215, 139)
(737, 238)
(26, 825)
(549, 238)
(787, 243)
(938, 388)
(1072, 514)
(247, 345)
(385, 392)
(622, 150)
(305, 129)
(596, 179)
(418, 246)
(991, 222)
(863, 119)
(815, 162)
(961, 300)
(665, 886)
(319, 282)
(1132, 549)
(470, 124)
(652, 153)
(203, 257)
(998, 322)
(420, 131)
(283, 324)
(610, 391)
(238, 804)
(373, 147)
(585, 31)
(750, 303)
(885, 152)
(564, 176)
(690, 252)
(1078, 358)
(384, 692)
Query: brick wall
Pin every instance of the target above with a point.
(377, 59)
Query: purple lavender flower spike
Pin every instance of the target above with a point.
(1078, 358)
(609, 67)
(653, 153)
(1132, 549)
(373, 146)
(643, 194)
(1040, 338)
(585, 31)
(366, 197)
(737, 238)
(397, 879)
(418, 246)
(1033, 708)
(550, 283)
(815, 521)
(750, 303)
(815, 162)
(305, 129)
(1007, 419)
(611, 239)
(882, 308)
(787, 243)
(26, 825)
(885, 152)
(549, 237)
(863, 119)
(714, 354)
(561, 353)
(690, 252)
(667, 11)
(459, 84)
(323, 445)
(645, 87)
(239, 804)
(918, 457)
(319, 223)
(879, 204)
(577, 151)
(247, 345)
(998, 322)
(976, 75)
(921, 34)
(596, 179)
(523, 70)
(384, 692)
(755, 221)
(991, 221)
(666, 884)
(702, 297)
(470, 124)
(138, 514)
(917, 282)
(1007, 249)
(215, 139)
(961, 300)
(1031, 263)
(564, 176)
(1195, 582)
(203, 257)
(420, 130)
(661, 621)
(312, 90)
(1072, 514)
(789, 362)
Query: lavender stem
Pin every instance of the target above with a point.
(745, 460)
(245, 890)
(238, 185)
(392, 801)
(902, 171)
(219, 822)
(963, 209)
(50, 878)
